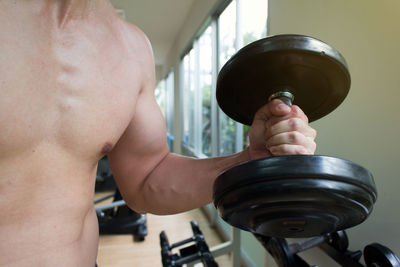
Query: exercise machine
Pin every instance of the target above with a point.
(116, 217)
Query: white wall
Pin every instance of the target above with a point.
(365, 128)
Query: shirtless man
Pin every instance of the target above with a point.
(76, 83)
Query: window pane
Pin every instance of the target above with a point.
(185, 99)
(254, 20)
(192, 86)
(227, 33)
(226, 42)
(254, 14)
(205, 79)
(160, 96)
(170, 102)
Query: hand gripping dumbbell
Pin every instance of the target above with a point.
(294, 195)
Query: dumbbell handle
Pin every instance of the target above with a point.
(286, 97)
(306, 244)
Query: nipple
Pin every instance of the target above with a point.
(107, 148)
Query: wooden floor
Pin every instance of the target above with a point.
(121, 251)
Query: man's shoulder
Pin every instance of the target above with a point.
(135, 36)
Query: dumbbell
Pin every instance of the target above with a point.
(285, 254)
(293, 195)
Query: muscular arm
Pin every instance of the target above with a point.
(149, 177)
(153, 180)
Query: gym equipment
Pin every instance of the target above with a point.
(116, 217)
(296, 195)
(334, 245)
(377, 255)
(197, 251)
(104, 179)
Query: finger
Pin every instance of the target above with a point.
(291, 138)
(286, 149)
(274, 108)
(299, 113)
(294, 124)
(295, 112)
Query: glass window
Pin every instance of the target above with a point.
(226, 48)
(254, 14)
(227, 33)
(164, 94)
(253, 20)
(160, 96)
(185, 99)
(188, 93)
(191, 92)
(204, 125)
(169, 109)
(205, 80)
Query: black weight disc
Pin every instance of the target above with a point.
(280, 251)
(314, 72)
(339, 241)
(295, 196)
(376, 255)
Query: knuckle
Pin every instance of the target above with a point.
(304, 151)
(314, 133)
(310, 149)
(299, 113)
(294, 123)
(313, 147)
(294, 137)
(285, 149)
(301, 150)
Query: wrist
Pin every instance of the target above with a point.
(245, 155)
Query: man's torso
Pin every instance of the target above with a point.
(67, 94)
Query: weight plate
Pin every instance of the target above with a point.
(376, 255)
(279, 250)
(339, 241)
(295, 196)
(314, 72)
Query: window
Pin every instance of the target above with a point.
(205, 81)
(226, 48)
(169, 103)
(185, 85)
(253, 14)
(160, 96)
(197, 95)
(164, 94)
(206, 130)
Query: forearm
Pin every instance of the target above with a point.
(180, 183)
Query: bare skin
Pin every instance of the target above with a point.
(77, 83)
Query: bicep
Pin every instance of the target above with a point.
(142, 146)
(144, 143)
